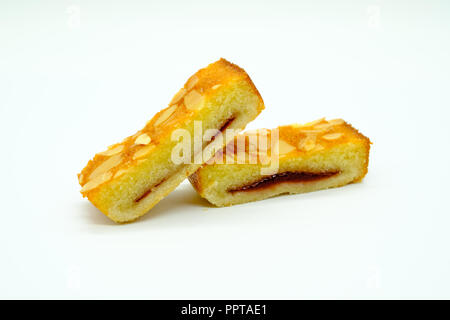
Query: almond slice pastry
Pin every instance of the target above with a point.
(290, 159)
(129, 178)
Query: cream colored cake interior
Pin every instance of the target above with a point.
(134, 194)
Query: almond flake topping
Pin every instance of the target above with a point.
(98, 180)
(284, 147)
(332, 136)
(106, 166)
(143, 152)
(178, 96)
(165, 115)
(336, 122)
(307, 144)
(319, 147)
(143, 139)
(323, 126)
(313, 123)
(112, 151)
(191, 83)
(312, 131)
(120, 173)
(193, 100)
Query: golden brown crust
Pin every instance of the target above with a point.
(223, 63)
(323, 134)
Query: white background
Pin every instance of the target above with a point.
(77, 76)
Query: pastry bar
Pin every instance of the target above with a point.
(129, 178)
(317, 155)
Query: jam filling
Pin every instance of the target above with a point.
(146, 193)
(223, 128)
(285, 177)
(226, 124)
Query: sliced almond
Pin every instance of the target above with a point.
(120, 173)
(319, 147)
(165, 115)
(143, 139)
(191, 83)
(307, 144)
(336, 122)
(284, 147)
(332, 136)
(112, 151)
(143, 152)
(80, 178)
(313, 123)
(323, 126)
(310, 131)
(106, 166)
(178, 96)
(217, 86)
(193, 100)
(94, 183)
